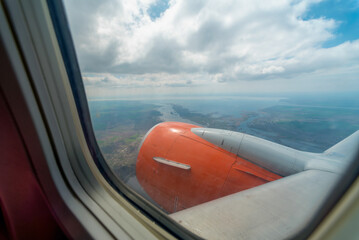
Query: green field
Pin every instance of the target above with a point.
(119, 127)
(307, 128)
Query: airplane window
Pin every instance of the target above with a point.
(247, 111)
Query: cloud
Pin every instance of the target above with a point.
(204, 42)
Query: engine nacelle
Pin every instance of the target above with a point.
(179, 169)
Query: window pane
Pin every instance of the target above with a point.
(194, 103)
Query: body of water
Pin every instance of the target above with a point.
(220, 106)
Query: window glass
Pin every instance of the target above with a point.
(195, 101)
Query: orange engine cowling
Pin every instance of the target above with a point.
(179, 169)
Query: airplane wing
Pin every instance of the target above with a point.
(275, 210)
(179, 163)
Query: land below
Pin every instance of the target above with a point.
(120, 126)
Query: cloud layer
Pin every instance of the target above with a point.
(206, 43)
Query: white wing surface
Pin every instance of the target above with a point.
(275, 210)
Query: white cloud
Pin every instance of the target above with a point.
(204, 43)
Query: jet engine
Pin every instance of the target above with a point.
(181, 165)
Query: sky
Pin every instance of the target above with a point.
(160, 47)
